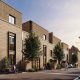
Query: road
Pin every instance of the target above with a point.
(69, 74)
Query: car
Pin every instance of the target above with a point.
(78, 78)
(70, 66)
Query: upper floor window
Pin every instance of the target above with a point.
(44, 37)
(11, 19)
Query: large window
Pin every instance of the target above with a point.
(12, 19)
(36, 63)
(44, 55)
(12, 47)
(44, 50)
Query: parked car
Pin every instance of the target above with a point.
(78, 78)
(70, 66)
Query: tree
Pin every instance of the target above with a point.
(58, 52)
(32, 47)
(74, 59)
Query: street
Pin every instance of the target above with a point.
(69, 74)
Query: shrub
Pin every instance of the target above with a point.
(4, 65)
(21, 66)
(58, 66)
(30, 70)
(48, 66)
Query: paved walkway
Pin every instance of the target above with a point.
(36, 76)
(42, 75)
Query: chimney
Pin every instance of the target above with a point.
(51, 37)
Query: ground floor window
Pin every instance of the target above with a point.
(36, 63)
(12, 48)
(44, 55)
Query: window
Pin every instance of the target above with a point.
(11, 43)
(44, 37)
(44, 54)
(12, 48)
(51, 53)
(44, 50)
(11, 19)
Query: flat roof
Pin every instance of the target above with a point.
(37, 25)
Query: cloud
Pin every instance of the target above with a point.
(66, 24)
(62, 17)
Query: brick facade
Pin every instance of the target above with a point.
(6, 27)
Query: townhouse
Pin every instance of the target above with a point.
(66, 51)
(48, 42)
(13, 33)
(74, 50)
(10, 33)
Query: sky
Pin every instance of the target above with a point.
(62, 17)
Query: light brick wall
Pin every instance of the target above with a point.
(4, 29)
(78, 59)
(6, 10)
(38, 30)
(56, 40)
(65, 49)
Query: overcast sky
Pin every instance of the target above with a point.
(62, 17)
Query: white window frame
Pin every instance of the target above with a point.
(44, 36)
(11, 19)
